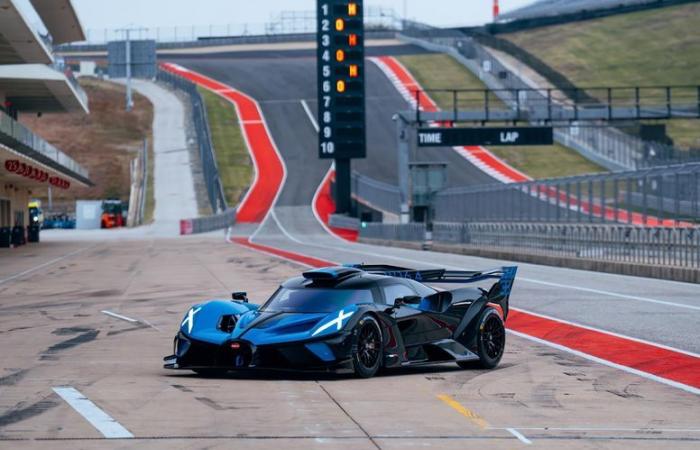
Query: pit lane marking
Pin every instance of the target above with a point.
(46, 264)
(110, 428)
(119, 316)
(129, 319)
(463, 410)
(519, 435)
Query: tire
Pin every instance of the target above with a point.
(367, 351)
(490, 341)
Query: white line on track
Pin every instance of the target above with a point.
(648, 376)
(46, 264)
(519, 435)
(110, 428)
(120, 317)
(311, 116)
(129, 319)
(611, 294)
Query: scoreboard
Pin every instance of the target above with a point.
(341, 79)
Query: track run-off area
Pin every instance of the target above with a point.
(592, 360)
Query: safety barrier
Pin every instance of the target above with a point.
(668, 196)
(665, 247)
(206, 224)
(414, 232)
(376, 194)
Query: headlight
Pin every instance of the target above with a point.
(335, 324)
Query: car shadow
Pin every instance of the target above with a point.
(287, 375)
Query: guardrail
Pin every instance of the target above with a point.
(673, 247)
(215, 191)
(412, 232)
(23, 140)
(667, 247)
(668, 196)
(206, 224)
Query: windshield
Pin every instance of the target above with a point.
(311, 300)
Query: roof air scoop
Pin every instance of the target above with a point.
(331, 273)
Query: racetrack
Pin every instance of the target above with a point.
(55, 336)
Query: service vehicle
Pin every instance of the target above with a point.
(357, 318)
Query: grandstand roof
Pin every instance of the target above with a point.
(60, 19)
(19, 43)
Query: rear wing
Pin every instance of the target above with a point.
(498, 293)
(505, 276)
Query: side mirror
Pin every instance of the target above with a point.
(240, 296)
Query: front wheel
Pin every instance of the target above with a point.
(490, 341)
(367, 353)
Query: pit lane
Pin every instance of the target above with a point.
(55, 334)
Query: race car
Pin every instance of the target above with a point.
(356, 318)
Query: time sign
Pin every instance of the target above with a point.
(341, 79)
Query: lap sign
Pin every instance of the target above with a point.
(452, 137)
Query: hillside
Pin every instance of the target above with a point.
(656, 47)
(104, 141)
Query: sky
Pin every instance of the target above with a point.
(101, 14)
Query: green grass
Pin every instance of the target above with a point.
(440, 71)
(235, 167)
(655, 47)
(546, 161)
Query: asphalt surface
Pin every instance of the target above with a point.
(280, 83)
(56, 338)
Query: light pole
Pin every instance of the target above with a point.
(127, 35)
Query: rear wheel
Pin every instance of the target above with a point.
(490, 341)
(367, 354)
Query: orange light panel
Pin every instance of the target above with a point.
(352, 9)
(340, 86)
(340, 56)
(339, 25)
(354, 71)
(352, 40)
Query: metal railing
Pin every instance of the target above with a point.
(413, 232)
(564, 105)
(22, 139)
(215, 191)
(668, 196)
(219, 221)
(609, 147)
(669, 247)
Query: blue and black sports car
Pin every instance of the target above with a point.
(359, 318)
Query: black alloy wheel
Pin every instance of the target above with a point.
(491, 341)
(367, 356)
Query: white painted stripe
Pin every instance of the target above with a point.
(110, 428)
(310, 114)
(119, 316)
(519, 435)
(648, 376)
(252, 122)
(611, 294)
(46, 264)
